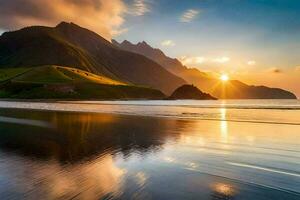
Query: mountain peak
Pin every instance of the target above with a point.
(66, 24)
(115, 42)
(126, 42)
(171, 64)
(69, 27)
(80, 35)
(70, 45)
(143, 44)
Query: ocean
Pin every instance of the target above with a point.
(233, 149)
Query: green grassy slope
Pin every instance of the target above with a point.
(69, 83)
(57, 74)
(6, 74)
(70, 45)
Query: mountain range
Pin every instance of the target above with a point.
(80, 63)
(233, 89)
(70, 45)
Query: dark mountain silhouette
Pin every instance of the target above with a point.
(205, 81)
(190, 92)
(70, 45)
(237, 90)
(171, 64)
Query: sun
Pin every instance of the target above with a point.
(224, 77)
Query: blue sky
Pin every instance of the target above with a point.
(221, 26)
(257, 41)
(245, 39)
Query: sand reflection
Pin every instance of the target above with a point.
(223, 191)
(53, 181)
(223, 126)
(92, 156)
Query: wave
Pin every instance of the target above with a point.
(273, 170)
(250, 183)
(37, 123)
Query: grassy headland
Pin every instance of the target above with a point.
(55, 82)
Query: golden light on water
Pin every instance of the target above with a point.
(224, 189)
(223, 125)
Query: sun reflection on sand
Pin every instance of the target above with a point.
(127, 157)
(141, 178)
(223, 191)
(223, 126)
(85, 181)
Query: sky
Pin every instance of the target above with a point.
(256, 41)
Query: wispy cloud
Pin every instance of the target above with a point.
(223, 59)
(198, 60)
(140, 7)
(117, 32)
(169, 43)
(251, 62)
(185, 60)
(189, 15)
(102, 16)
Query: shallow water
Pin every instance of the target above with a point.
(65, 155)
(262, 111)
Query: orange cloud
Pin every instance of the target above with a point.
(102, 16)
(223, 59)
(186, 60)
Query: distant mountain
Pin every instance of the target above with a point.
(205, 81)
(238, 90)
(171, 64)
(70, 45)
(190, 92)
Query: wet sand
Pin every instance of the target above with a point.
(63, 155)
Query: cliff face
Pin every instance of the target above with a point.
(190, 92)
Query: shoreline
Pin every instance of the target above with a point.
(70, 107)
(249, 159)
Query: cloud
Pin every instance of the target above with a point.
(116, 32)
(189, 15)
(223, 59)
(139, 7)
(169, 43)
(297, 68)
(185, 60)
(251, 62)
(275, 70)
(102, 16)
(196, 60)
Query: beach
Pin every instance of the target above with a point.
(150, 150)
